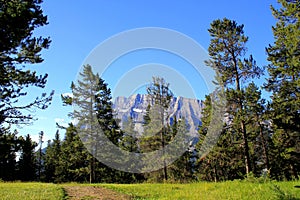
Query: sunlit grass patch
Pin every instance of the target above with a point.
(24, 191)
(204, 190)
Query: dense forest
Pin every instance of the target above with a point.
(260, 137)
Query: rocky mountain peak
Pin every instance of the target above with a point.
(135, 107)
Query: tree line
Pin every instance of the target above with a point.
(260, 137)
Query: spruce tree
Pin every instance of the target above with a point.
(259, 127)
(151, 139)
(74, 159)
(52, 160)
(224, 161)
(182, 170)
(129, 141)
(94, 115)
(284, 83)
(27, 164)
(160, 96)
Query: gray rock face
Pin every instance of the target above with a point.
(182, 108)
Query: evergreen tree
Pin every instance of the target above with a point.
(27, 164)
(26, 167)
(284, 83)
(8, 149)
(66, 160)
(40, 155)
(52, 160)
(151, 139)
(259, 125)
(224, 160)
(129, 140)
(227, 56)
(18, 47)
(94, 113)
(74, 159)
(182, 170)
(160, 96)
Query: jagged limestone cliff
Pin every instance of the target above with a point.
(135, 107)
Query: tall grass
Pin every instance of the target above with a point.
(204, 190)
(24, 191)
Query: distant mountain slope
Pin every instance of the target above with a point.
(135, 106)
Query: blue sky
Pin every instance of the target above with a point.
(77, 27)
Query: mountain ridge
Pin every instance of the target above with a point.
(135, 107)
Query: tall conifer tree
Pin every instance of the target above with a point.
(160, 95)
(94, 114)
(284, 83)
(19, 47)
(227, 56)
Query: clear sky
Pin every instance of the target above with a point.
(77, 27)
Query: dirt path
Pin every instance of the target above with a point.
(92, 192)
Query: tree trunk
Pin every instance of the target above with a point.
(92, 162)
(163, 150)
(215, 172)
(243, 126)
(246, 148)
(264, 146)
(91, 166)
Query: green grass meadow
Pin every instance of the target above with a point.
(24, 191)
(223, 190)
(202, 190)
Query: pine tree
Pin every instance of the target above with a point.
(227, 56)
(18, 47)
(284, 83)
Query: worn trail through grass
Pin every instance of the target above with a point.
(93, 192)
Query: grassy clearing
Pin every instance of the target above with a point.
(203, 190)
(224, 190)
(24, 191)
